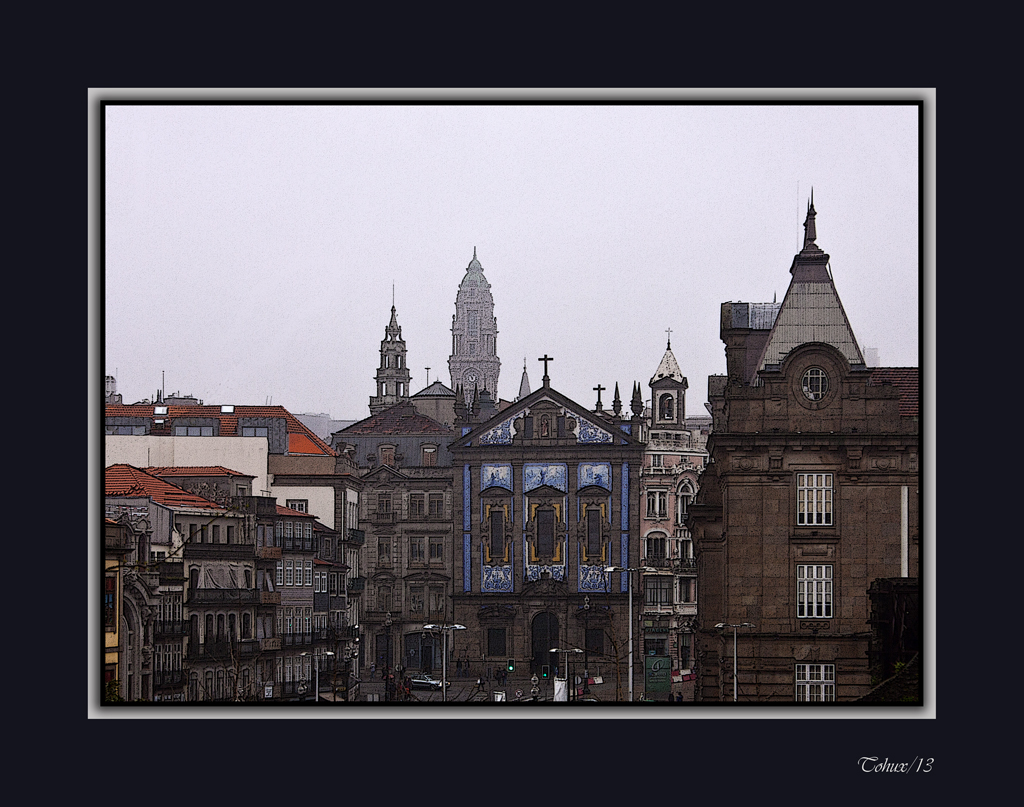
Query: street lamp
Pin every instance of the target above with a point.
(445, 630)
(316, 663)
(387, 659)
(586, 655)
(629, 586)
(739, 625)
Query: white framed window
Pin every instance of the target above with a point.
(814, 499)
(656, 461)
(288, 573)
(280, 573)
(302, 505)
(814, 591)
(815, 682)
(814, 384)
(657, 504)
(309, 573)
(683, 498)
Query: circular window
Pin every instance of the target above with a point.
(815, 384)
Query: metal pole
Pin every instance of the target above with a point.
(629, 585)
(734, 681)
(444, 665)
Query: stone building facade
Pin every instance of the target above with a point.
(812, 493)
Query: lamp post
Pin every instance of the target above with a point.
(739, 625)
(445, 630)
(316, 664)
(387, 658)
(629, 585)
(586, 654)
(566, 652)
(351, 654)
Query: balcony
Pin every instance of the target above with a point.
(384, 518)
(176, 627)
(356, 537)
(356, 585)
(220, 551)
(270, 643)
(657, 563)
(168, 678)
(268, 552)
(270, 598)
(686, 566)
(224, 596)
(295, 639)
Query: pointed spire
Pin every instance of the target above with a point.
(617, 402)
(524, 384)
(637, 404)
(810, 233)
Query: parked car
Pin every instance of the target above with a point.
(424, 681)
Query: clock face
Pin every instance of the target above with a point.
(471, 376)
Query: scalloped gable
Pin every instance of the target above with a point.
(500, 429)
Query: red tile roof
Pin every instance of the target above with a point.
(907, 381)
(401, 418)
(194, 470)
(129, 481)
(287, 511)
(309, 442)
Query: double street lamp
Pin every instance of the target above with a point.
(565, 667)
(316, 664)
(629, 584)
(445, 630)
(721, 625)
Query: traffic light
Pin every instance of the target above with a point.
(511, 665)
(545, 671)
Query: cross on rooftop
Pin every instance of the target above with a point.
(598, 389)
(545, 358)
(669, 332)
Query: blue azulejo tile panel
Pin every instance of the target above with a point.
(589, 433)
(499, 435)
(626, 427)
(625, 496)
(536, 474)
(593, 578)
(466, 577)
(496, 579)
(534, 570)
(465, 497)
(496, 476)
(595, 473)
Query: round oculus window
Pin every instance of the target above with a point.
(814, 384)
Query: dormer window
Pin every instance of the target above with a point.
(159, 410)
(387, 455)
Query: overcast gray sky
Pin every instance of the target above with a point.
(251, 250)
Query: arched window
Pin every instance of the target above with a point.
(684, 496)
(656, 546)
(666, 407)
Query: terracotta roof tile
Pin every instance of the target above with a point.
(401, 418)
(287, 511)
(129, 481)
(228, 421)
(194, 470)
(907, 381)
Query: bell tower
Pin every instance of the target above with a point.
(393, 373)
(474, 359)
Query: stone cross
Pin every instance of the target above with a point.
(598, 389)
(545, 358)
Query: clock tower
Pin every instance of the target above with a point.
(474, 360)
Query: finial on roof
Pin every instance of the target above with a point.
(669, 332)
(810, 233)
(617, 402)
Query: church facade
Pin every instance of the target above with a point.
(545, 500)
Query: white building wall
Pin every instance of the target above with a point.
(321, 500)
(247, 455)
